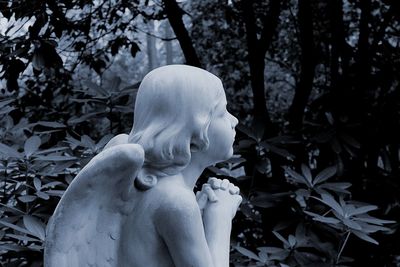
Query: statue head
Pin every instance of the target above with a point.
(173, 111)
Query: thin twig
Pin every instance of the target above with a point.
(342, 248)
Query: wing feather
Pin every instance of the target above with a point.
(85, 227)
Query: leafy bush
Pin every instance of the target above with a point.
(309, 205)
(323, 192)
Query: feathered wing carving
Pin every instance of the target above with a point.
(85, 227)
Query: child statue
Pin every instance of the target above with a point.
(133, 204)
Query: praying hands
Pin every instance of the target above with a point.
(220, 195)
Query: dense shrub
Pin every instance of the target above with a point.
(320, 177)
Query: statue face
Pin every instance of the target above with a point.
(221, 133)
(178, 109)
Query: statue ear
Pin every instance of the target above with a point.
(198, 144)
(144, 182)
(194, 147)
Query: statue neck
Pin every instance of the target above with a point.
(198, 162)
(193, 170)
(191, 174)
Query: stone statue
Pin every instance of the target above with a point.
(133, 204)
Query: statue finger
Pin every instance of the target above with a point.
(209, 192)
(238, 199)
(202, 199)
(233, 189)
(225, 184)
(215, 183)
(198, 195)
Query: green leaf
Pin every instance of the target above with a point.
(52, 184)
(76, 120)
(325, 175)
(88, 142)
(297, 177)
(283, 139)
(247, 253)
(337, 187)
(9, 151)
(336, 147)
(22, 237)
(328, 220)
(292, 240)
(4, 103)
(317, 217)
(267, 200)
(58, 193)
(27, 198)
(281, 238)
(42, 195)
(331, 202)
(34, 226)
(242, 128)
(373, 220)
(51, 124)
(371, 228)
(55, 158)
(51, 150)
(330, 118)
(12, 247)
(94, 89)
(6, 110)
(351, 224)
(37, 183)
(217, 171)
(365, 237)
(279, 151)
(15, 227)
(302, 193)
(362, 210)
(31, 145)
(270, 250)
(306, 173)
(115, 83)
(103, 141)
(350, 140)
(11, 209)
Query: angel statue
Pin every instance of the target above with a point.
(133, 204)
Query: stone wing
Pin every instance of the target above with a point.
(85, 227)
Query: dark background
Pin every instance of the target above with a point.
(315, 85)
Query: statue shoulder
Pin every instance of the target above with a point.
(175, 199)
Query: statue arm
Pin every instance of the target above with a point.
(181, 226)
(219, 200)
(217, 228)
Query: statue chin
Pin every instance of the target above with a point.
(228, 154)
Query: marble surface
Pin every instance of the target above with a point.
(133, 204)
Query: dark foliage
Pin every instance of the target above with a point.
(314, 83)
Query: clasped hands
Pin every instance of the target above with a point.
(219, 196)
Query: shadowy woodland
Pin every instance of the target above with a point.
(315, 85)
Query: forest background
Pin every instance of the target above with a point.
(315, 85)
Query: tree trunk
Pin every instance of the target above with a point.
(151, 47)
(363, 57)
(339, 60)
(174, 14)
(257, 65)
(303, 90)
(336, 27)
(257, 49)
(169, 53)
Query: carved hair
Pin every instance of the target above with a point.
(173, 110)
